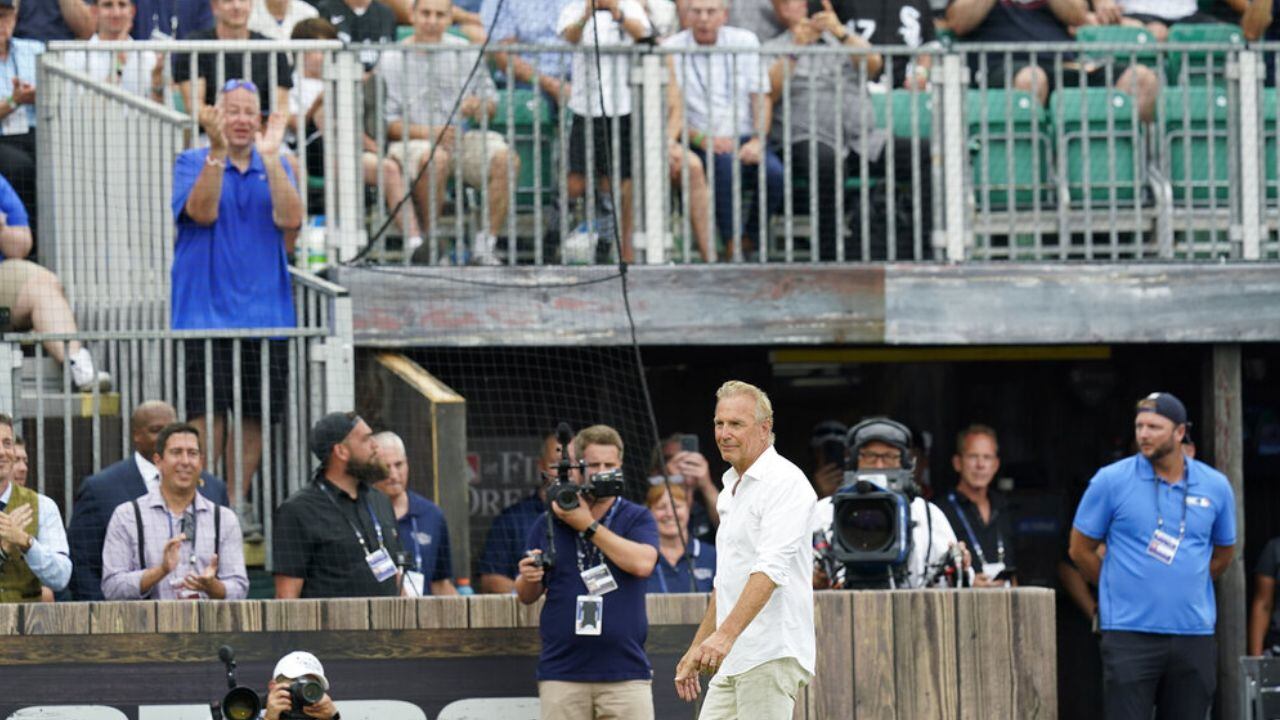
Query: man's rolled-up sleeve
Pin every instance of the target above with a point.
(49, 557)
(784, 532)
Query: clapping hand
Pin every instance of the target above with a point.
(203, 582)
(271, 138)
(213, 123)
(12, 534)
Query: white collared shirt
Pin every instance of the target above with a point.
(149, 472)
(718, 88)
(49, 557)
(130, 71)
(262, 21)
(764, 527)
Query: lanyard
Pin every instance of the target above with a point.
(973, 538)
(377, 526)
(194, 524)
(1182, 524)
(592, 555)
(417, 548)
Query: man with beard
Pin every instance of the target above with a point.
(1169, 525)
(337, 537)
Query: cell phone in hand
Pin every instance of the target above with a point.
(689, 443)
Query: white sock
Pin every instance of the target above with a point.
(413, 242)
(82, 370)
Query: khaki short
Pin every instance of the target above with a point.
(765, 692)
(478, 150)
(624, 700)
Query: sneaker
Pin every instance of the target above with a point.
(83, 375)
(485, 250)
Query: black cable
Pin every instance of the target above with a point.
(626, 297)
(457, 103)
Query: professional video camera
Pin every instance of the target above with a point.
(609, 483)
(871, 526)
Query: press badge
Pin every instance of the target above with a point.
(417, 581)
(599, 580)
(15, 123)
(381, 564)
(1163, 547)
(589, 619)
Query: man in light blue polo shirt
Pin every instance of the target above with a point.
(235, 204)
(1169, 525)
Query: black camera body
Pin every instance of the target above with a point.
(609, 483)
(871, 521)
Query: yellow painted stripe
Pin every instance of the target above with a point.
(982, 353)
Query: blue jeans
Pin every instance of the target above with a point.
(773, 180)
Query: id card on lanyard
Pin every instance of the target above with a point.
(380, 561)
(599, 581)
(1163, 546)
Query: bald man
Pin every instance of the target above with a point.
(125, 481)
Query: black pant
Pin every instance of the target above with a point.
(18, 165)
(903, 178)
(1175, 674)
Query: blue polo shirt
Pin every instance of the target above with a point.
(504, 546)
(1138, 592)
(192, 16)
(11, 205)
(617, 653)
(234, 273)
(424, 536)
(668, 578)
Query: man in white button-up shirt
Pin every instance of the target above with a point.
(757, 637)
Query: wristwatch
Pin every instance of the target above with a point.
(591, 529)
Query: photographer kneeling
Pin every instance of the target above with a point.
(593, 626)
(298, 689)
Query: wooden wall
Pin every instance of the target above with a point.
(893, 655)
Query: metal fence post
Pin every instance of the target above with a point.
(955, 223)
(655, 159)
(1251, 186)
(10, 361)
(345, 231)
(338, 354)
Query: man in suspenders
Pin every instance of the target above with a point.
(173, 543)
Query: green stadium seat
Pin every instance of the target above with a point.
(1100, 144)
(1120, 35)
(900, 102)
(519, 111)
(1013, 154)
(1195, 143)
(1197, 69)
(403, 32)
(1271, 140)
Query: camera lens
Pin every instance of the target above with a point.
(241, 704)
(566, 496)
(866, 525)
(306, 692)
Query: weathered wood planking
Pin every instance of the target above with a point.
(108, 618)
(803, 304)
(442, 612)
(177, 616)
(984, 642)
(833, 682)
(490, 611)
(345, 614)
(1035, 652)
(924, 629)
(393, 614)
(874, 656)
(10, 619)
(232, 616)
(530, 615)
(55, 619)
(293, 615)
(676, 608)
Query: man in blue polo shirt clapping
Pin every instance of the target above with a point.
(1169, 524)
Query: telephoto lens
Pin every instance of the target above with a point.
(306, 691)
(565, 495)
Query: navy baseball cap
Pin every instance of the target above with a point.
(330, 430)
(1165, 405)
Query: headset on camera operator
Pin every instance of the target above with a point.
(298, 689)
(876, 531)
(591, 554)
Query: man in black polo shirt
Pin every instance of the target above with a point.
(337, 537)
(979, 514)
(231, 22)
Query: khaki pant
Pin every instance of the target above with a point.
(14, 275)
(765, 692)
(623, 700)
(475, 149)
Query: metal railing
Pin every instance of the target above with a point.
(963, 167)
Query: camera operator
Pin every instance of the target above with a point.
(880, 443)
(287, 688)
(594, 623)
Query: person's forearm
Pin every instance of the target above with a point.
(965, 15)
(202, 204)
(15, 242)
(762, 112)
(528, 592)
(708, 624)
(443, 587)
(288, 588)
(711, 495)
(7, 106)
(636, 27)
(286, 204)
(1221, 560)
(1084, 553)
(1077, 589)
(754, 597)
(78, 17)
(573, 33)
(217, 590)
(496, 584)
(149, 578)
(631, 557)
(1259, 619)
(1070, 12)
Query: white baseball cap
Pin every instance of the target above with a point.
(299, 663)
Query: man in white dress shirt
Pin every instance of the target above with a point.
(139, 72)
(757, 637)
